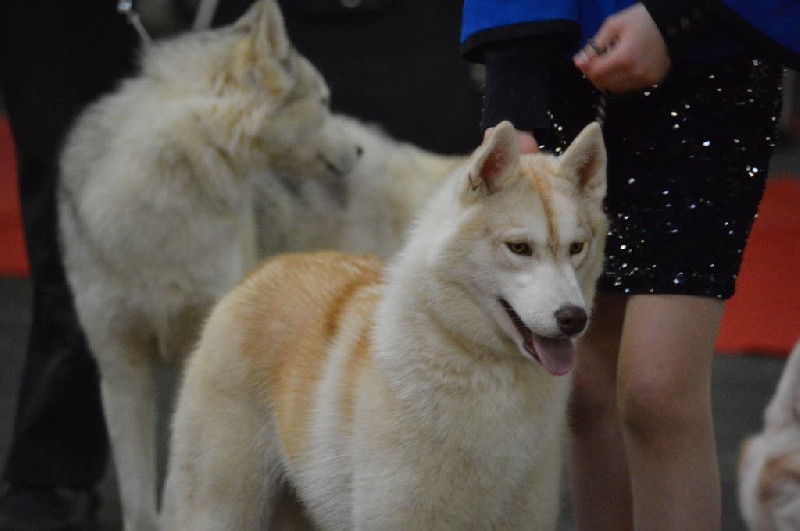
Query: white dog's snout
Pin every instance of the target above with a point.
(553, 305)
(571, 319)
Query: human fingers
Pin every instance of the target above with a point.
(636, 56)
(527, 142)
(590, 58)
(599, 45)
(629, 66)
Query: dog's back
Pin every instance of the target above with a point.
(252, 386)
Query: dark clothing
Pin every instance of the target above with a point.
(694, 30)
(702, 38)
(55, 57)
(687, 166)
(687, 160)
(395, 63)
(769, 26)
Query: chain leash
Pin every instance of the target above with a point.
(602, 97)
(125, 7)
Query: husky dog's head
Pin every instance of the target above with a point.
(522, 246)
(256, 95)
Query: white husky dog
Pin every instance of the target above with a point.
(769, 464)
(431, 396)
(157, 210)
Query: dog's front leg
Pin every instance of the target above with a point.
(129, 402)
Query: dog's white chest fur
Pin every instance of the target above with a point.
(468, 439)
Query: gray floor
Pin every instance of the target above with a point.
(742, 386)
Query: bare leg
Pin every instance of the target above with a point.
(601, 496)
(642, 451)
(664, 396)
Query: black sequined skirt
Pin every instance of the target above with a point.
(687, 168)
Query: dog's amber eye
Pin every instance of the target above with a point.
(521, 248)
(576, 248)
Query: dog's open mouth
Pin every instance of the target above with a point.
(556, 354)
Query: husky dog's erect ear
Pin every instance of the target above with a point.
(494, 161)
(265, 21)
(783, 410)
(585, 161)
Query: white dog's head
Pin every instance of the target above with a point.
(255, 94)
(523, 245)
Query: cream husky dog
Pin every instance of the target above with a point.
(430, 396)
(157, 207)
(769, 464)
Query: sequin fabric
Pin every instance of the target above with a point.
(687, 168)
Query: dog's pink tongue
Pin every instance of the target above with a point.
(557, 355)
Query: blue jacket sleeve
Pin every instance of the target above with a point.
(486, 21)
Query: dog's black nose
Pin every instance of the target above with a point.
(571, 320)
(359, 151)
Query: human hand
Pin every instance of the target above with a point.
(630, 53)
(527, 144)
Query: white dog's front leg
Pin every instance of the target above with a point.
(130, 409)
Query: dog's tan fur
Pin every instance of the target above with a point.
(424, 396)
(769, 462)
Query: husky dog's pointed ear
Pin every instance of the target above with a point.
(494, 162)
(784, 409)
(265, 21)
(585, 161)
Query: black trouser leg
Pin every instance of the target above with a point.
(55, 57)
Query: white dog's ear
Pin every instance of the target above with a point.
(494, 162)
(584, 161)
(783, 410)
(265, 22)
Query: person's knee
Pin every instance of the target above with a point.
(656, 405)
